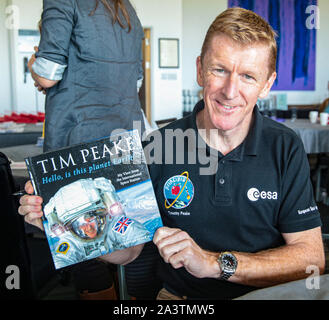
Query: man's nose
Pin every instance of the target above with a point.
(231, 87)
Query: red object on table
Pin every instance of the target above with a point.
(23, 117)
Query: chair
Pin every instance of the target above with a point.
(304, 113)
(324, 105)
(301, 113)
(164, 122)
(322, 176)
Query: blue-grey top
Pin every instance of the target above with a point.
(98, 65)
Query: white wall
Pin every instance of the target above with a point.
(30, 13)
(5, 80)
(197, 17)
(25, 15)
(205, 11)
(165, 20)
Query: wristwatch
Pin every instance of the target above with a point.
(228, 264)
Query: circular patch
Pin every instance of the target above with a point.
(178, 191)
(63, 248)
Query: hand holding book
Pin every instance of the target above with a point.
(30, 207)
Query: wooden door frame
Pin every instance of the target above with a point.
(147, 73)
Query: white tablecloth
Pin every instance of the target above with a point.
(305, 289)
(314, 136)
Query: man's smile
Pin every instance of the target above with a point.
(226, 107)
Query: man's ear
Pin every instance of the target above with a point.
(268, 85)
(199, 71)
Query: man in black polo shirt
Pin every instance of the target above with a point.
(253, 201)
(246, 218)
(254, 222)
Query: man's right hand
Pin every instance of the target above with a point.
(30, 207)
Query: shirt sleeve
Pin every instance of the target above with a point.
(298, 211)
(48, 69)
(56, 29)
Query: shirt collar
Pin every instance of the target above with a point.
(255, 132)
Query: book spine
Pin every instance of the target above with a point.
(30, 171)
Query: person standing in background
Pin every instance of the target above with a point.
(89, 61)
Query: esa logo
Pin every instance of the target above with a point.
(254, 194)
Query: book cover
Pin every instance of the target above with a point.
(97, 198)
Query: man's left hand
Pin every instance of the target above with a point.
(180, 250)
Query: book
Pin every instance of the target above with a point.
(97, 197)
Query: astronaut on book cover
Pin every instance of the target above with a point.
(86, 219)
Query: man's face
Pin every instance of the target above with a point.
(86, 227)
(233, 77)
(90, 228)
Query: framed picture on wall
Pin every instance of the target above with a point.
(168, 53)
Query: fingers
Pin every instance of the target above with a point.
(41, 89)
(177, 246)
(30, 207)
(168, 236)
(170, 243)
(33, 217)
(30, 62)
(32, 214)
(28, 201)
(28, 187)
(163, 233)
(180, 259)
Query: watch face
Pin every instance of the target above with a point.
(229, 261)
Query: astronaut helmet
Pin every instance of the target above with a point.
(89, 225)
(79, 207)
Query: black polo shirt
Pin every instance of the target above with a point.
(256, 192)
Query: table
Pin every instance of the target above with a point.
(314, 136)
(28, 136)
(315, 139)
(16, 155)
(305, 289)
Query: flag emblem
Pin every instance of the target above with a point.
(122, 225)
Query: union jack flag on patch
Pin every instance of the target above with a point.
(122, 225)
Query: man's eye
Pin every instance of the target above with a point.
(248, 77)
(218, 71)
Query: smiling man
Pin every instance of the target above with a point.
(254, 222)
(233, 78)
(243, 229)
(236, 67)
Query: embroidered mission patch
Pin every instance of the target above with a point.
(178, 191)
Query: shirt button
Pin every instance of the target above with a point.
(221, 181)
